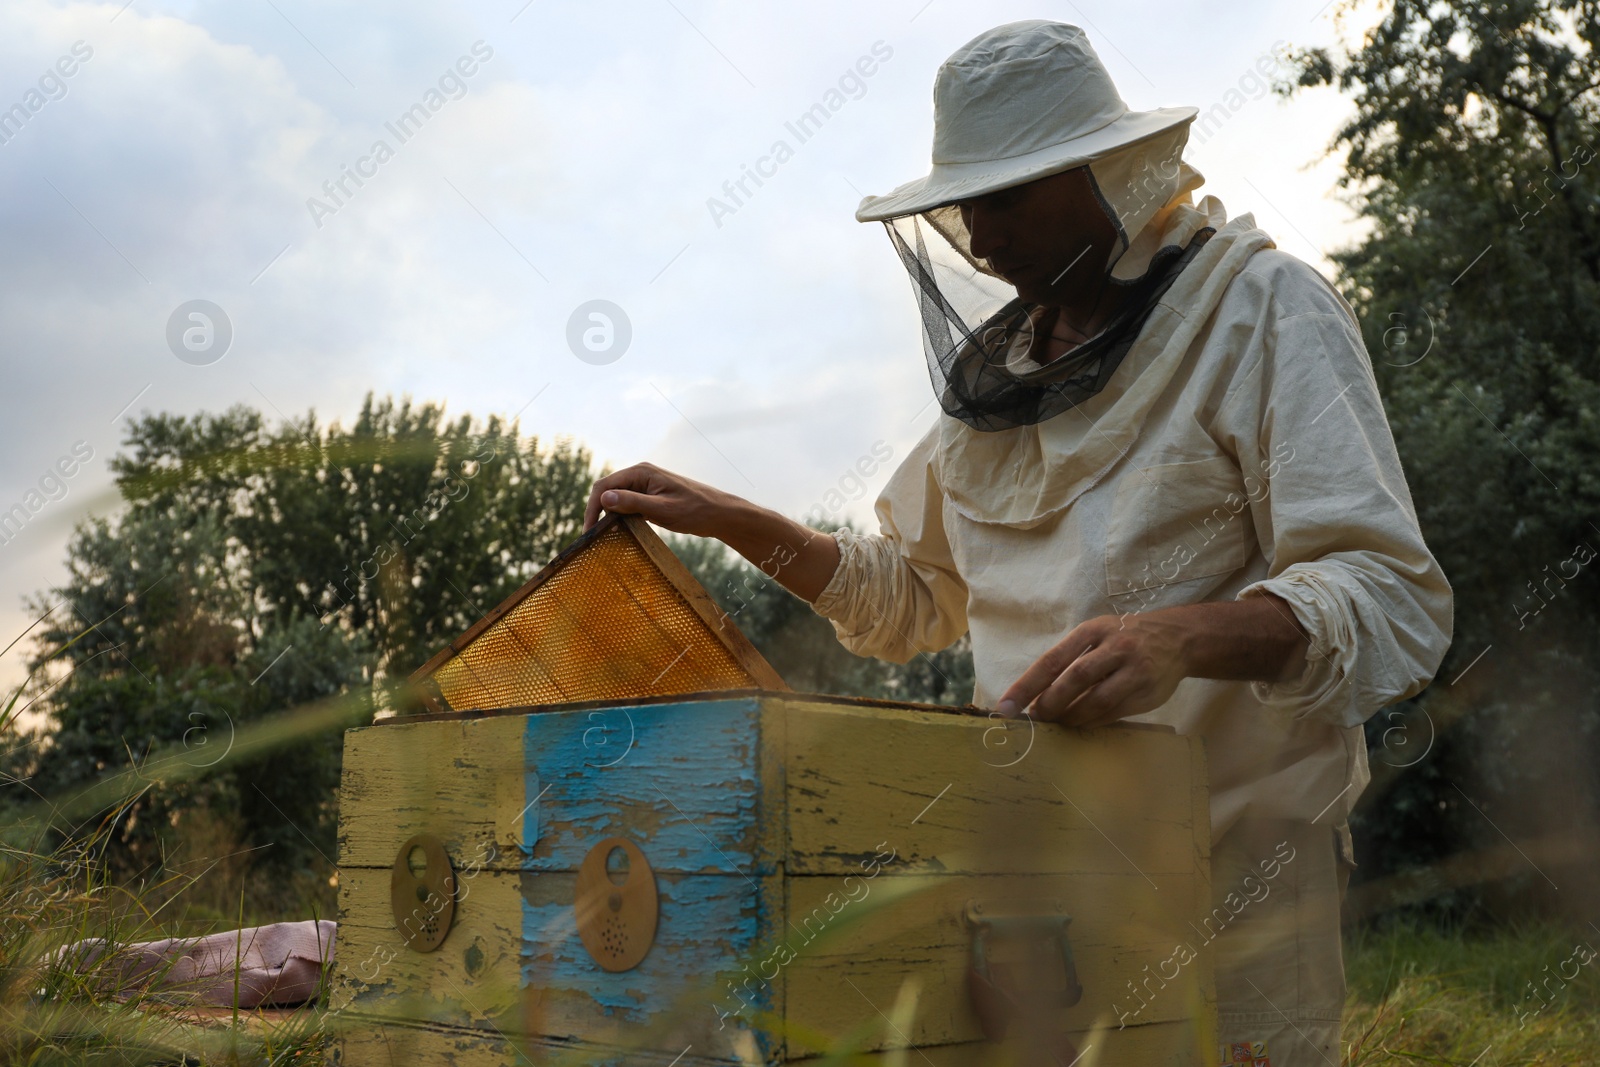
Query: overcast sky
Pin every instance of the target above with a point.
(772, 345)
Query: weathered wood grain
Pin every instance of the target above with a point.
(1161, 1045)
(908, 931)
(473, 978)
(466, 780)
(1108, 801)
(753, 810)
(689, 791)
(683, 781)
(382, 1043)
(516, 933)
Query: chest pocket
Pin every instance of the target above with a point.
(1174, 524)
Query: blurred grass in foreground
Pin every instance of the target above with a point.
(80, 1007)
(1421, 995)
(1417, 995)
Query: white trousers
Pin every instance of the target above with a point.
(1276, 891)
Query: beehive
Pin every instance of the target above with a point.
(825, 872)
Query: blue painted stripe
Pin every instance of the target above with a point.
(681, 781)
(708, 925)
(530, 799)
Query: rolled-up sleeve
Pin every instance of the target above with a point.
(896, 593)
(1333, 514)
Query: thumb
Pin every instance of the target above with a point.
(625, 502)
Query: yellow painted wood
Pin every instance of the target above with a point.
(473, 978)
(910, 931)
(381, 1043)
(1176, 1044)
(936, 787)
(460, 779)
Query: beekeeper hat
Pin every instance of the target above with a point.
(1020, 102)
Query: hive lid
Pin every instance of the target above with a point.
(615, 616)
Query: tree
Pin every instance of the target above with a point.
(404, 528)
(1472, 152)
(256, 570)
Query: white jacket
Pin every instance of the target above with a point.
(1240, 449)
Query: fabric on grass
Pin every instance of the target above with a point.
(277, 965)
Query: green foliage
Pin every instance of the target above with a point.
(404, 527)
(1475, 135)
(254, 571)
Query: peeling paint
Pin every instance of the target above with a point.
(688, 793)
(708, 924)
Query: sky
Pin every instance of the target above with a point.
(562, 154)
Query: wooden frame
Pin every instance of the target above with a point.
(670, 568)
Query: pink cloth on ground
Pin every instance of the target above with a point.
(278, 965)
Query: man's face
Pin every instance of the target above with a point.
(1047, 238)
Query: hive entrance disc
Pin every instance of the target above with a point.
(422, 892)
(616, 919)
(615, 616)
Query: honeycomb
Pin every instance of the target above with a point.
(604, 622)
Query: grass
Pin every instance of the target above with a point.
(62, 1005)
(1418, 995)
(1426, 996)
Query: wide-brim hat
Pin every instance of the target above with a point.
(1017, 103)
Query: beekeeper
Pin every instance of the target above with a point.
(1162, 489)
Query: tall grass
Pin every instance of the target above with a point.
(66, 994)
(1417, 995)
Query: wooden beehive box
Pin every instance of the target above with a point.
(822, 870)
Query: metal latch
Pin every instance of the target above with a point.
(1021, 964)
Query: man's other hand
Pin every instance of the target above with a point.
(1106, 669)
(1115, 666)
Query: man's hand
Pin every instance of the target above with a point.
(669, 500)
(1106, 669)
(800, 559)
(1115, 666)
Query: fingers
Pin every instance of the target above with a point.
(668, 500)
(636, 478)
(1083, 678)
(1049, 667)
(1100, 672)
(1114, 697)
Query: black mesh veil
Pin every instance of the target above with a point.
(979, 335)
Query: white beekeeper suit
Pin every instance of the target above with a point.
(1239, 447)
